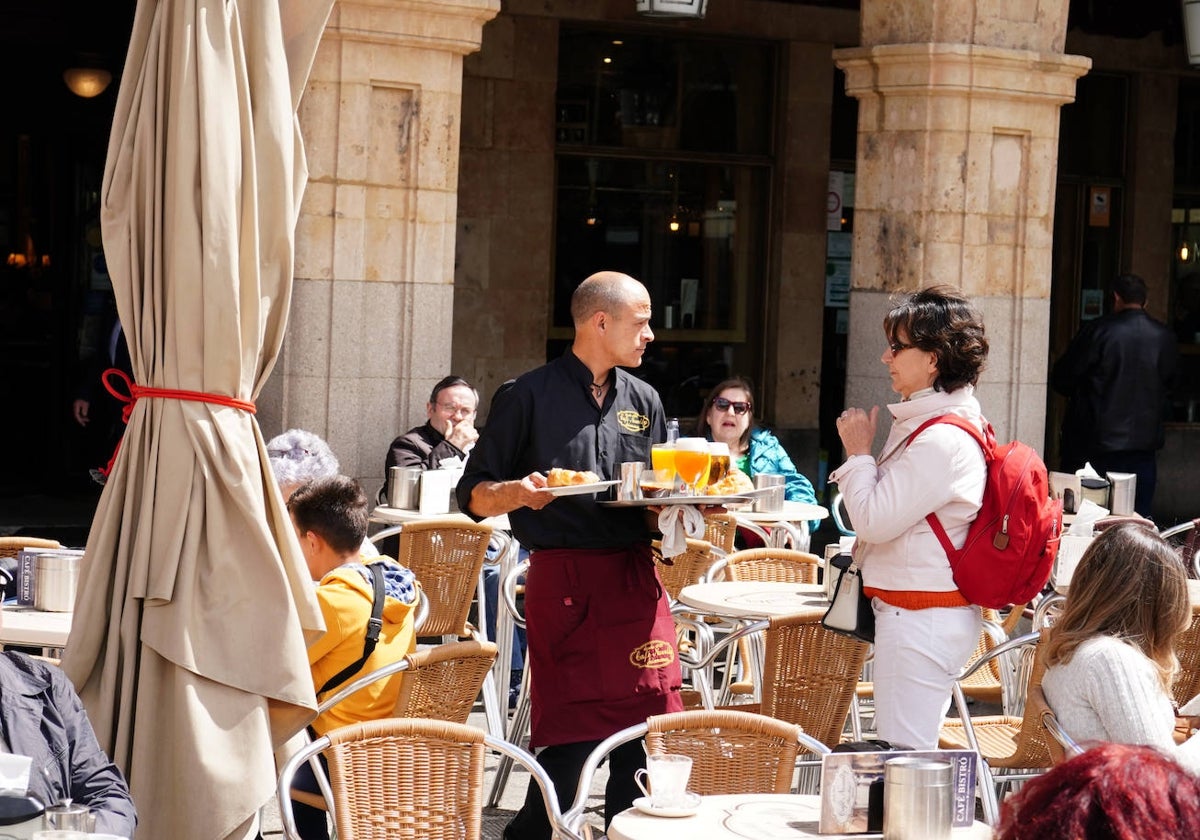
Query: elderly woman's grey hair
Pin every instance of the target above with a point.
(298, 457)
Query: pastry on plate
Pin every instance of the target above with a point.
(559, 477)
(733, 483)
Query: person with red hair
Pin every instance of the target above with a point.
(1110, 792)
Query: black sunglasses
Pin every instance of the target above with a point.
(897, 346)
(722, 404)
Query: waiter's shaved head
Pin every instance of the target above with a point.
(605, 291)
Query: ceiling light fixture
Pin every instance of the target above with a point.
(87, 81)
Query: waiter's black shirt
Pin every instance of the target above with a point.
(547, 418)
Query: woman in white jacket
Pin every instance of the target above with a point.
(1110, 657)
(924, 628)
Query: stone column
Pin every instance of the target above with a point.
(957, 161)
(372, 306)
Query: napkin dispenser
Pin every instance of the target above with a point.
(435, 492)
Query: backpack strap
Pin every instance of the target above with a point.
(986, 442)
(374, 626)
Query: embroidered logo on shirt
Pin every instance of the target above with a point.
(631, 421)
(653, 654)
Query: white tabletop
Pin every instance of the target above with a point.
(753, 599)
(752, 816)
(398, 516)
(35, 628)
(792, 512)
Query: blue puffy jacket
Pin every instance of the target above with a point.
(767, 455)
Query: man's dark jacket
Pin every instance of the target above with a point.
(1117, 372)
(42, 718)
(423, 447)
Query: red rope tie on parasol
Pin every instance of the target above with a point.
(136, 392)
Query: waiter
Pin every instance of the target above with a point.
(601, 637)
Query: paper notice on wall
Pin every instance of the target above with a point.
(837, 269)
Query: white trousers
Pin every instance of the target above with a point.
(918, 654)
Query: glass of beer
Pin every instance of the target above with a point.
(718, 463)
(691, 462)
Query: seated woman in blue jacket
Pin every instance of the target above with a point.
(728, 417)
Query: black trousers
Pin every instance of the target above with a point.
(563, 763)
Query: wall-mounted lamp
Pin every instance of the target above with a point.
(673, 224)
(1187, 252)
(87, 81)
(694, 9)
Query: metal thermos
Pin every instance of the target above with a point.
(404, 484)
(917, 804)
(1095, 490)
(770, 502)
(55, 581)
(630, 488)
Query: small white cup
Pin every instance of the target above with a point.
(667, 776)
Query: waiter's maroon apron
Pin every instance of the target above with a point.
(601, 643)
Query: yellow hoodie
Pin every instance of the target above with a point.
(345, 598)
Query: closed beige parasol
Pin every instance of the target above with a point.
(195, 607)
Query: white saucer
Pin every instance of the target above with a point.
(689, 807)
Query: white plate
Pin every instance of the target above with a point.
(642, 803)
(578, 489)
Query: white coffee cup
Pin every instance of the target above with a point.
(667, 776)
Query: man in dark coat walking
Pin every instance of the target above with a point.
(1117, 373)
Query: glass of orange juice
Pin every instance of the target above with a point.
(691, 462)
(662, 457)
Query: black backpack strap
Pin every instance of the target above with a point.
(374, 626)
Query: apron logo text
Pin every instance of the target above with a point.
(632, 421)
(653, 654)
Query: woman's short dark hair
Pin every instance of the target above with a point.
(333, 508)
(740, 382)
(942, 321)
(1111, 792)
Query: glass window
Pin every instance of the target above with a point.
(663, 172)
(650, 92)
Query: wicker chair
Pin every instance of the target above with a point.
(1010, 747)
(779, 565)
(446, 555)
(9, 546)
(1185, 538)
(1060, 744)
(686, 568)
(721, 531)
(732, 752)
(439, 683)
(773, 564)
(809, 673)
(1187, 649)
(408, 779)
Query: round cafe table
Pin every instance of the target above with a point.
(789, 525)
(747, 816)
(751, 600)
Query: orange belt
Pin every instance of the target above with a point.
(908, 599)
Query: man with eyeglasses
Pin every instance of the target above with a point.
(448, 433)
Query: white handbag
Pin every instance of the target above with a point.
(850, 611)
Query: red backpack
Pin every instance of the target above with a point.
(1012, 543)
